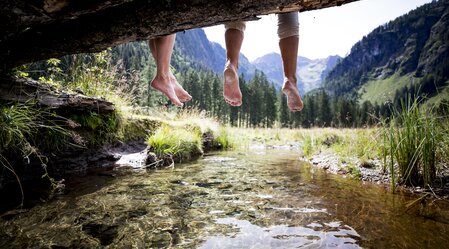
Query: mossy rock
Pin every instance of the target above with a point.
(330, 140)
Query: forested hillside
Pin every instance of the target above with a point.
(130, 68)
(407, 55)
(194, 46)
(263, 104)
(404, 55)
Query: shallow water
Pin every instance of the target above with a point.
(252, 199)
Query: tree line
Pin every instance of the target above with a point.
(263, 105)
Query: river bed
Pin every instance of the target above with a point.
(238, 199)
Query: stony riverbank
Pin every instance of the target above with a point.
(373, 171)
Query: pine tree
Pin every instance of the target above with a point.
(324, 115)
(284, 113)
(270, 102)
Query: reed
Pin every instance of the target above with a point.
(411, 141)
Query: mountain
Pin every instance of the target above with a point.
(271, 65)
(410, 52)
(311, 73)
(194, 46)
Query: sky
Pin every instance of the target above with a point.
(325, 32)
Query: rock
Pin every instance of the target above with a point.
(208, 140)
(342, 171)
(32, 31)
(330, 140)
(168, 161)
(316, 160)
(151, 161)
(367, 164)
(105, 233)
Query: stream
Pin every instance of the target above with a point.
(263, 198)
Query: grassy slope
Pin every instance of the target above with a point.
(380, 91)
(442, 96)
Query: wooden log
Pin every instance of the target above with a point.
(30, 91)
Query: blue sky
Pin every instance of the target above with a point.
(323, 32)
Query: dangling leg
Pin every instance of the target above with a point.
(288, 31)
(234, 39)
(182, 94)
(164, 81)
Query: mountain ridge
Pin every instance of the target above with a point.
(195, 46)
(311, 72)
(410, 52)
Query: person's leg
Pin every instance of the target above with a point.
(161, 48)
(288, 29)
(234, 39)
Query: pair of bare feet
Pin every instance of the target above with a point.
(233, 95)
(168, 85)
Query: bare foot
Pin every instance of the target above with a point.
(231, 88)
(182, 94)
(164, 85)
(294, 101)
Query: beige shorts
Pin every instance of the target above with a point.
(288, 25)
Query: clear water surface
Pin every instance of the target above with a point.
(249, 199)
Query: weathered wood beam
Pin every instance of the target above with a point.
(30, 91)
(32, 30)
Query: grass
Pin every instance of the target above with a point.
(186, 134)
(414, 139)
(16, 123)
(380, 91)
(308, 146)
(183, 144)
(25, 128)
(441, 98)
(361, 144)
(246, 137)
(27, 131)
(223, 140)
